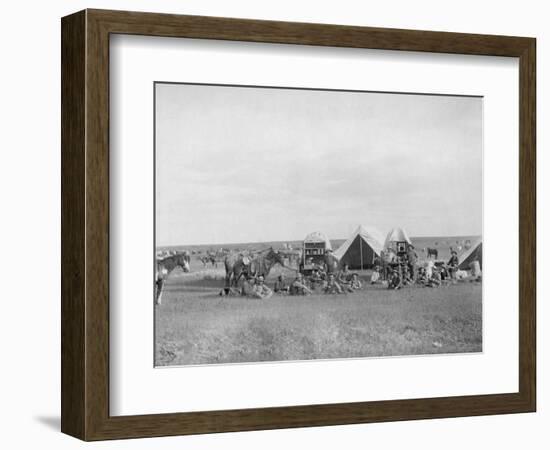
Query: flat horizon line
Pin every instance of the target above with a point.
(296, 240)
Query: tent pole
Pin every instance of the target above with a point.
(361, 251)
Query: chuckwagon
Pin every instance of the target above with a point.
(315, 246)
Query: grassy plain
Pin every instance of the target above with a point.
(194, 325)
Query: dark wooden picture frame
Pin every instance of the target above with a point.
(85, 224)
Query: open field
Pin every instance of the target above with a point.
(194, 325)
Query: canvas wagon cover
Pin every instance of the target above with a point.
(396, 235)
(318, 237)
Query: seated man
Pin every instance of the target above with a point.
(316, 278)
(260, 290)
(331, 285)
(355, 283)
(435, 280)
(375, 276)
(407, 274)
(280, 286)
(395, 281)
(344, 276)
(421, 276)
(298, 286)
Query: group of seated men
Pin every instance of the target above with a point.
(320, 282)
(405, 271)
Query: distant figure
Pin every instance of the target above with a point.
(298, 287)
(260, 290)
(331, 285)
(280, 286)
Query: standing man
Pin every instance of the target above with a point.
(298, 286)
(412, 259)
(330, 261)
(453, 266)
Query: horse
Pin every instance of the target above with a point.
(292, 256)
(164, 267)
(209, 259)
(432, 251)
(237, 265)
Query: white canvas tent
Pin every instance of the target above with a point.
(360, 249)
(396, 235)
(474, 253)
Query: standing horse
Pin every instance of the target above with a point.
(164, 267)
(236, 266)
(432, 252)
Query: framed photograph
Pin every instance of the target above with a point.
(273, 225)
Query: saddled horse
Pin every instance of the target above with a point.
(164, 267)
(432, 252)
(237, 265)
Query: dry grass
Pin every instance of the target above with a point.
(196, 326)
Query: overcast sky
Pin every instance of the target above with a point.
(237, 164)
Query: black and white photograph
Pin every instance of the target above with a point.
(242, 225)
(297, 224)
